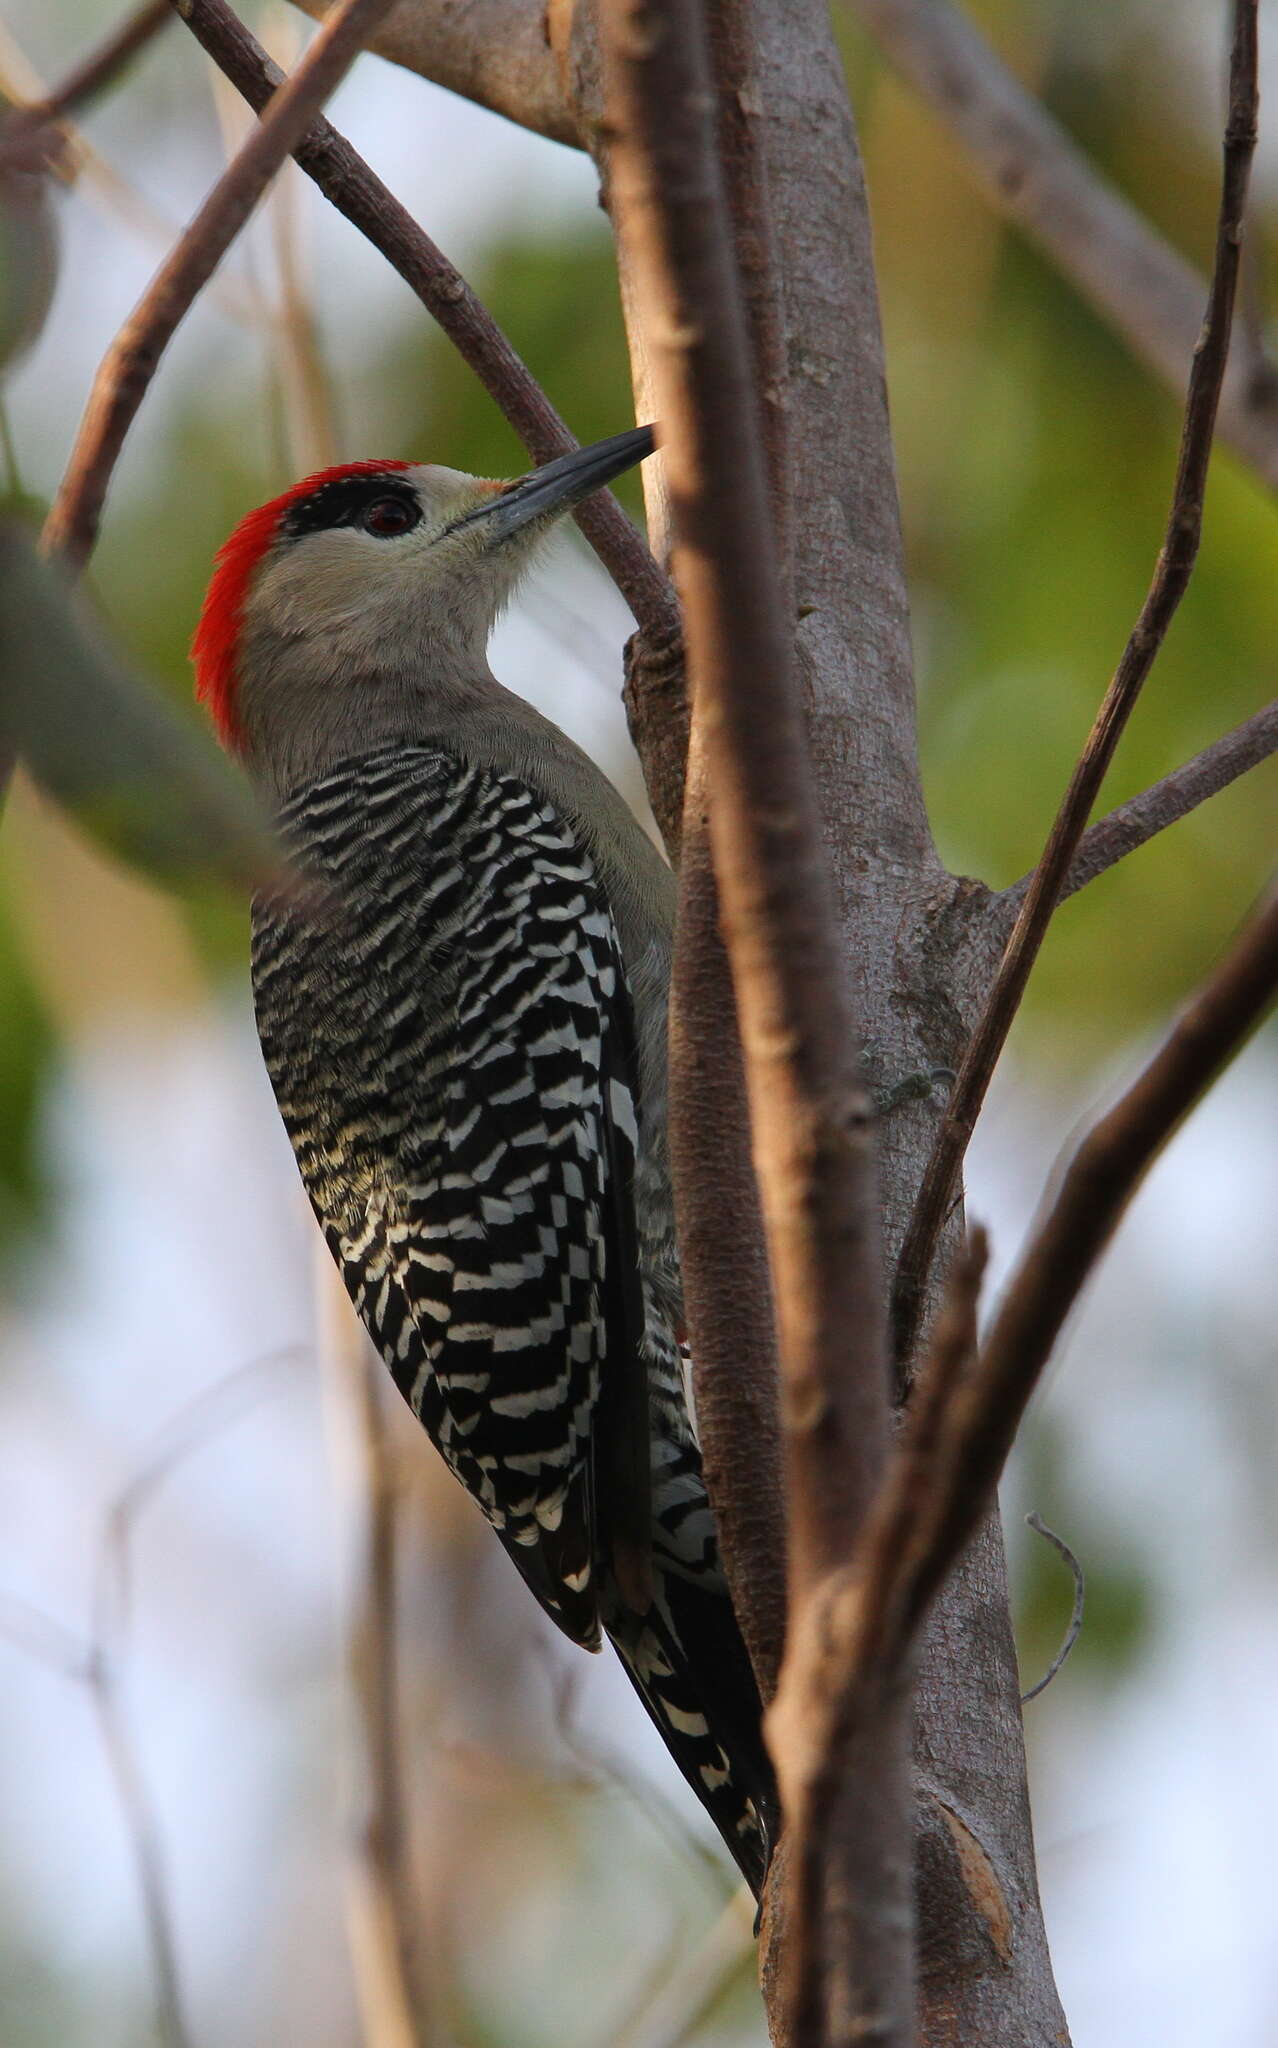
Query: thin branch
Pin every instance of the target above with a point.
(982, 1418)
(95, 1664)
(502, 54)
(347, 182)
(76, 161)
(1058, 1543)
(1171, 576)
(1142, 817)
(694, 1984)
(1034, 174)
(896, 1532)
(131, 361)
(148, 1856)
(382, 1914)
(605, 1769)
(853, 1636)
(44, 1640)
(724, 1267)
(965, 1409)
(212, 1411)
(810, 1114)
(86, 80)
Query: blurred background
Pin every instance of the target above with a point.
(177, 1484)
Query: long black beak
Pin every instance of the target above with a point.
(560, 484)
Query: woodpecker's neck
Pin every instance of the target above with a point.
(306, 717)
(308, 701)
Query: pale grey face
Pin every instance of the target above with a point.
(367, 562)
(378, 596)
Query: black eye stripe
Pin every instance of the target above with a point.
(342, 500)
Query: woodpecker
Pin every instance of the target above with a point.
(464, 1022)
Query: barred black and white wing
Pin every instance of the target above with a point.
(449, 1041)
(447, 1027)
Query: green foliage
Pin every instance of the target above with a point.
(557, 301)
(1037, 463)
(26, 1047)
(113, 754)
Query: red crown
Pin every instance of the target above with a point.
(216, 640)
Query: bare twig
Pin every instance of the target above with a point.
(39, 1636)
(45, 1640)
(1142, 817)
(1058, 1543)
(215, 1409)
(382, 1914)
(1171, 576)
(810, 1114)
(95, 1664)
(502, 54)
(131, 361)
(855, 1633)
(883, 1579)
(688, 1990)
(982, 1418)
(87, 79)
(726, 1291)
(147, 1854)
(68, 155)
(1032, 172)
(966, 1409)
(346, 180)
(602, 1767)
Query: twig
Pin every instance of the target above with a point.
(602, 1767)
(966, 1408)
(1171, 576)
(854, 1637)
(688, 1990)
(1098, 1183)
(381, 1913)
(45, 1640)
(502, 54)
(1142, 817)
(147, 1853)
(1031, 171)
(86, 80)
(74, 160)
(39, 1636)
(1058, 1543)
(348, 183)
(213, 1410)
(131, 361)
(299, 399)
(726, 1292)
(95, 1664)
(810, 1113)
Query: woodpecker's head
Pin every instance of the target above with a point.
(340, 610)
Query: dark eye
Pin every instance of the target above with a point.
(386, 517)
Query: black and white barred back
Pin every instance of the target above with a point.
(446, 1026)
